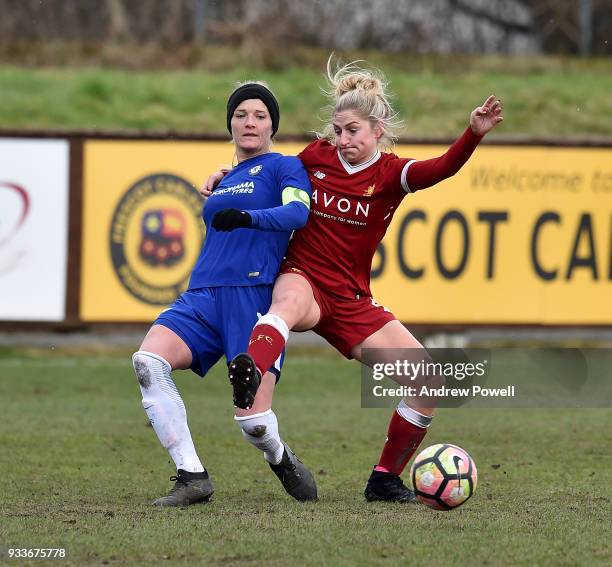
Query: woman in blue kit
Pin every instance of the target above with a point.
(249, 220)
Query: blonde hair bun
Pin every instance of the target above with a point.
(359, 80)
(363, 91)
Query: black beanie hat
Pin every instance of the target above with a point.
(253, 90)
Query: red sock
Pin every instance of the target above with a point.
(265, 346)
(403, 438)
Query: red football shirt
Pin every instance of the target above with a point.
(352, 206)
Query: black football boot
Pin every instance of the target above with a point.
(245, 379)
(388, 487)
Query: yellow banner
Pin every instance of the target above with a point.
(142, 227)
(519, 235)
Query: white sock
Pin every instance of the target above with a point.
(261, 431)
(413, 416)
(166, 410)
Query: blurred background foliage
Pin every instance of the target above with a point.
(268, 31)
(168, 65)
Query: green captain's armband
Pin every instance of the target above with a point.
(290, 194)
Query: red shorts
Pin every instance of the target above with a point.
(344, 323)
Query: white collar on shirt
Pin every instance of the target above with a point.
(350, 169)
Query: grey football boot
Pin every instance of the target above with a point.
(296, 479)
(189, 488)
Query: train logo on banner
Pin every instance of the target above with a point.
(155, 236)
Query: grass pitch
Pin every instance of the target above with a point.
(542, 97)
(80, 465)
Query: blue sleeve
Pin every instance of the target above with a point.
(293, 215)
(286, 217)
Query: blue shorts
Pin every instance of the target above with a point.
(213, 321)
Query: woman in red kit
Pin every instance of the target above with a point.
(324, 283)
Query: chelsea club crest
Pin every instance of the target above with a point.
(255, 170)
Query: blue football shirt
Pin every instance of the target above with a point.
(252, 256)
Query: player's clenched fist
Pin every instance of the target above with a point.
(229, 219)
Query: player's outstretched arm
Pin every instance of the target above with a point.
(292, 215)
(484, 118)
(425, 173)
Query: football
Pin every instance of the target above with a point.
(444, 476)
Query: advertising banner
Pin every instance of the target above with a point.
(142, 226)
(33, 229)
(521, 235)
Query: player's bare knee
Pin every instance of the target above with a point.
(289, 303)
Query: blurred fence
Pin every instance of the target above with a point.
(420, 26)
